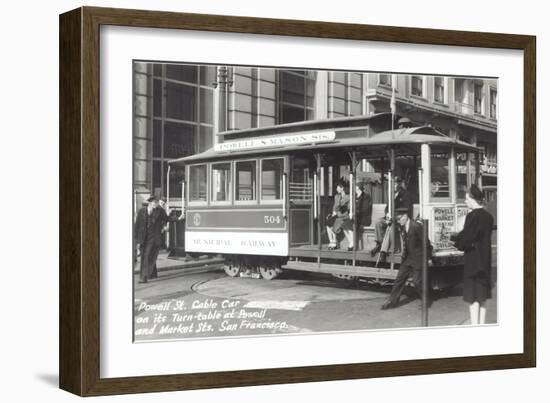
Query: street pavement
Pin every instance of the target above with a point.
(201, 301)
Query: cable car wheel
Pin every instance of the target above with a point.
(269, 271)
(232, 268)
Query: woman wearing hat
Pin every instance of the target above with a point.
(475, 241)
(340, 217)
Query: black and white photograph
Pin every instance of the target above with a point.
(271, 201)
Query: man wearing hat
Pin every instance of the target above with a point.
(411, 257)
(149, 226)
(404, 123)
(402, 199)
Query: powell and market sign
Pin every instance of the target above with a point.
(291, 139)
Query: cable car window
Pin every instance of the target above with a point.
(221, 182)
(301, 185)
(272, 170)
(197, 183)
(246, 180)
(439, 188)
(461, 175)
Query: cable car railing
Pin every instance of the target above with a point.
(299, 191)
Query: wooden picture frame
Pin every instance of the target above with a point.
(80, 195)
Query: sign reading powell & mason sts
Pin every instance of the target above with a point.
(290, 139)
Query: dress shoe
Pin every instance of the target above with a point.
(376, 249)
(388, 305)
(350, 249)
(143, 281)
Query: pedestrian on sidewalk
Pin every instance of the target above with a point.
(411, 258)
(475, 241)
(148, 232)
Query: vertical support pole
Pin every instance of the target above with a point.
(391, 197)
(315, 190)
(352, 203)
(134, 243)
(284, 196)
(426, 164)
(168, 186)
(135, 203)
(425, 281)
(317, 197)
(468, 169)
(452, 175)
(183, 197)
(351, 193)
(167, 234)
(420, 193)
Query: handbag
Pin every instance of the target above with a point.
(329, 220)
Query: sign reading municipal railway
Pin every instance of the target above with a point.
(249, 243)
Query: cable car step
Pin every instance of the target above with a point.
(359, 271)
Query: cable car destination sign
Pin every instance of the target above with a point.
(278, 141)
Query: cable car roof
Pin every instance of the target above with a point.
(404, 139)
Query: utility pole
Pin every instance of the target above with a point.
(223, 82)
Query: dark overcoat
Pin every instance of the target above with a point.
(363, 215)
(403, 199)
(412, 251)
(149, 226)
(475, 241)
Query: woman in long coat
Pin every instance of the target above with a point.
(340, 216)
(363, 210)
(475, 241)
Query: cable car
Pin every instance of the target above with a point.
(260, 197)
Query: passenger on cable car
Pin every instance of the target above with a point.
(339, 219)
(402, 199)
(363, 210)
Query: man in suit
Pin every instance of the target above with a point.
(402, 199)
(411, 258)
(150, 222)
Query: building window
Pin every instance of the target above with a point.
(493, 103)
(459, 90)
(417, 86)
(489, 158)
(221, 182)
(439, 90)
(245, 177)
(183, 118)
(384, 79)
(296, 95)
(272, 171)
(478, 98)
